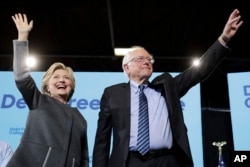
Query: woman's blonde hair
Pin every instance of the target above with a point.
(49, 73)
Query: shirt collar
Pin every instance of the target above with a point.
(135, 86)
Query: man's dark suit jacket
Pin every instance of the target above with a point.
(115, 112)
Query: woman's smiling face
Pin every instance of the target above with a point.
(60, 85)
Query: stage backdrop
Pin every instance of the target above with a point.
(239, 98)
(89, 88)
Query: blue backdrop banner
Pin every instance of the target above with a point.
(89, 88)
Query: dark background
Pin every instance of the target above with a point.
(82, 34)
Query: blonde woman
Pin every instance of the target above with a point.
(55, 134)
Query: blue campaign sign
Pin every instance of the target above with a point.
(239, 98)
(89, 88)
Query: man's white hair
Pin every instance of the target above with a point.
(127, 56)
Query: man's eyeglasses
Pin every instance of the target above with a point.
(140, 59)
